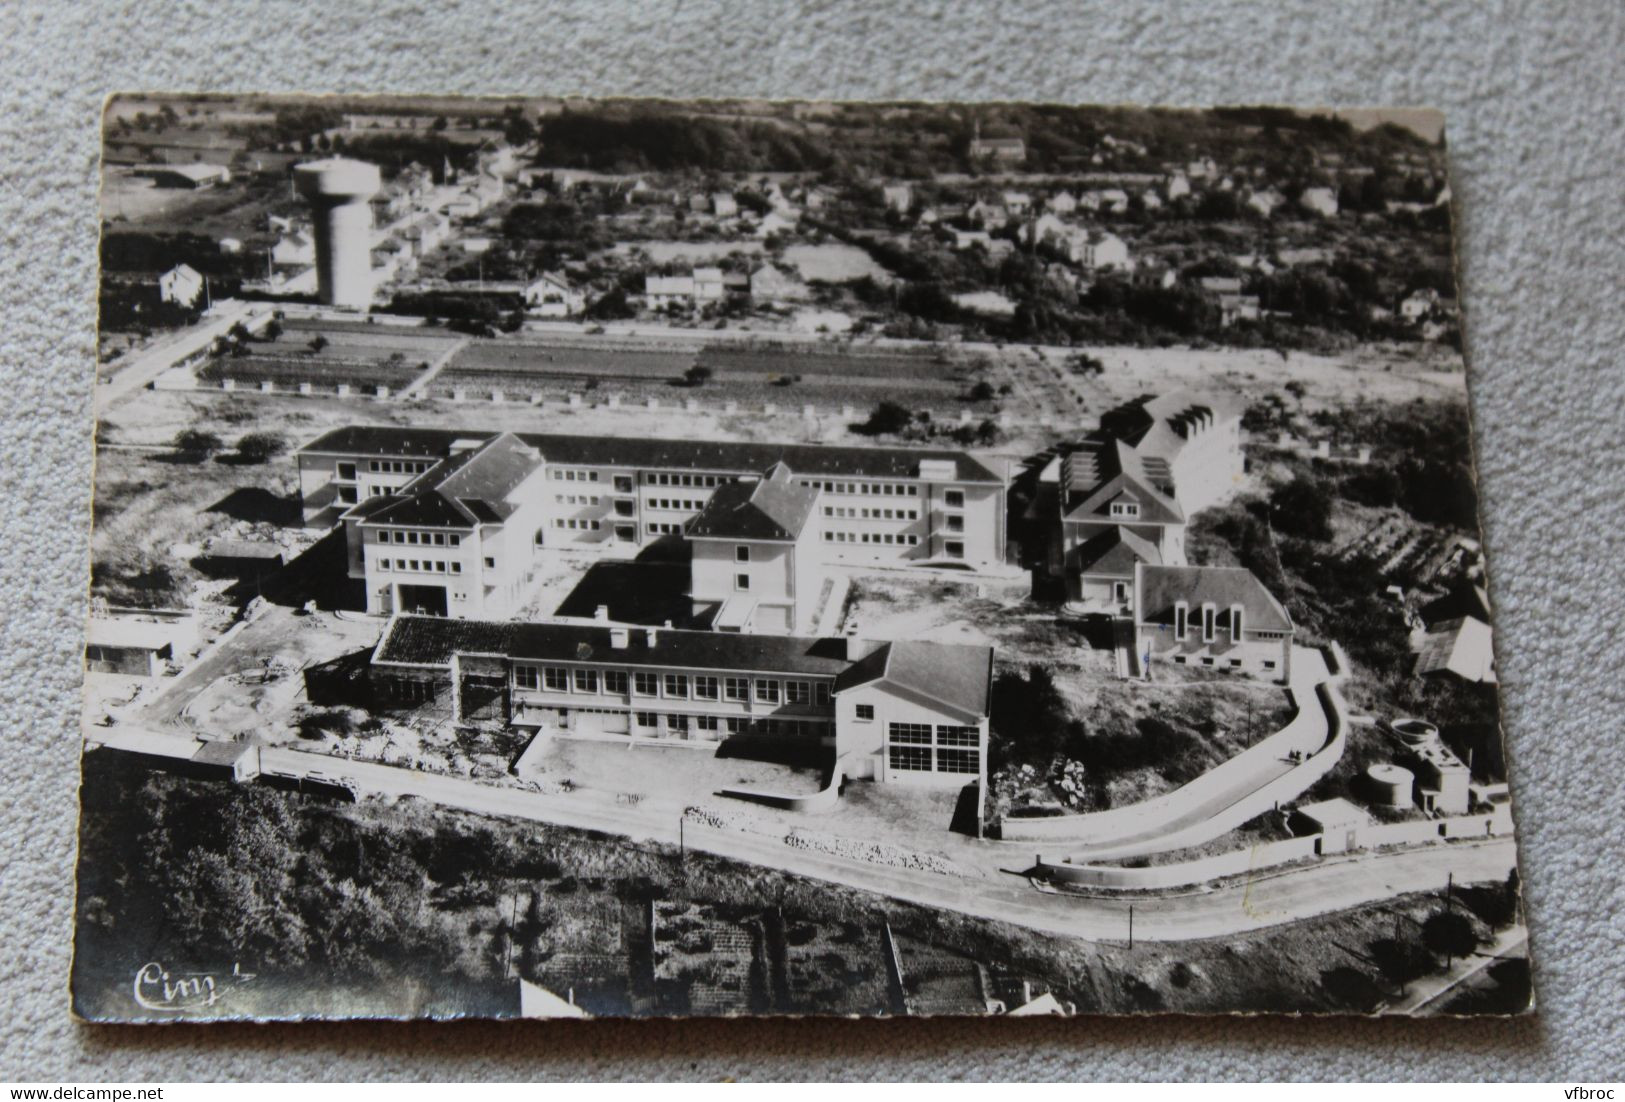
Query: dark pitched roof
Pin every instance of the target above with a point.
(432, 640)
(700, 455)
(1161, 587)
(1160, 424)
(953, 674)
(1464, 599)
(760, 510)
(1115, 552)
(1107, 470)
(465, 489)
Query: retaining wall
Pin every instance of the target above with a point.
(1316, 730)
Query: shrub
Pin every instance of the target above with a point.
(886, 419)
(1302, 508)
(197, 443)
(258, 447)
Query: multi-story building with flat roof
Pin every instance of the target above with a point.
(903, 711)
(869, 506)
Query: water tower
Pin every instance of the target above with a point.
(339, 191)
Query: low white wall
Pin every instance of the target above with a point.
(1269, 854)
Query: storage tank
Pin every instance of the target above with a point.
(1391, 785)
(339, 191)
(1415, 732)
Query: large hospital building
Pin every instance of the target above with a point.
(448, 523)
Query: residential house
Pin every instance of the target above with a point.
(898, 197)
(1015, 203)
(664, 291)
(1319, 200)
(1062, 202)
(985, 212)
(1210, 617)
(181, 285)
(552, 295)
(709, 285)
(724, 205)
(294, 249)
(1264, 202)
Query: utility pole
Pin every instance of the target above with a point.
(1131, 925)
(682, 847)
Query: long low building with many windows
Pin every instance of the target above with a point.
(448, 523)
(905, 711)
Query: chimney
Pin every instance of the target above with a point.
(601, 612)
(651, 636)
(619, 638)
(858, 649)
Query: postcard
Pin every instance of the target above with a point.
(563, 558)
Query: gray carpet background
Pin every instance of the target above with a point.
(1532, 94)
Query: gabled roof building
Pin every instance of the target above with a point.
(1125, 493)
(904, 712)
(455, 491)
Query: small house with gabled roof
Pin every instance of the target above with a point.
(1220, 618)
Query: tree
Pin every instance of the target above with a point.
(318, 342)
(886, 419)
(196, 443)
(1302, 508)
(1450, 934)
(982, 392)
(439, 124)
(698, 375)
(272, 330)
(258, 447)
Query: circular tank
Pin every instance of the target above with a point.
(338, 190)
(1391, 785)
(1414, 732)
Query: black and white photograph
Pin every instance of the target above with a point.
(573, 558)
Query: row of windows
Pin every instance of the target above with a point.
(576, 499)
(921, 734)
(661, 528)
(919, 759)
(870, 537)
(395, 466)
(565, 474)
(577, 524)
(421, 566)
(423, 539)
(853, 512)
(1210, 619)
(733, 725)
(676, 686)
(664, 478)
(1230, 663)
(873, 489)
(691, 505)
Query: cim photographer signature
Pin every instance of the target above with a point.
(156, 988)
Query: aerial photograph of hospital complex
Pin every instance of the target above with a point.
(571, 558)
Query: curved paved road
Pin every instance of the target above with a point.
(1237, 907)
